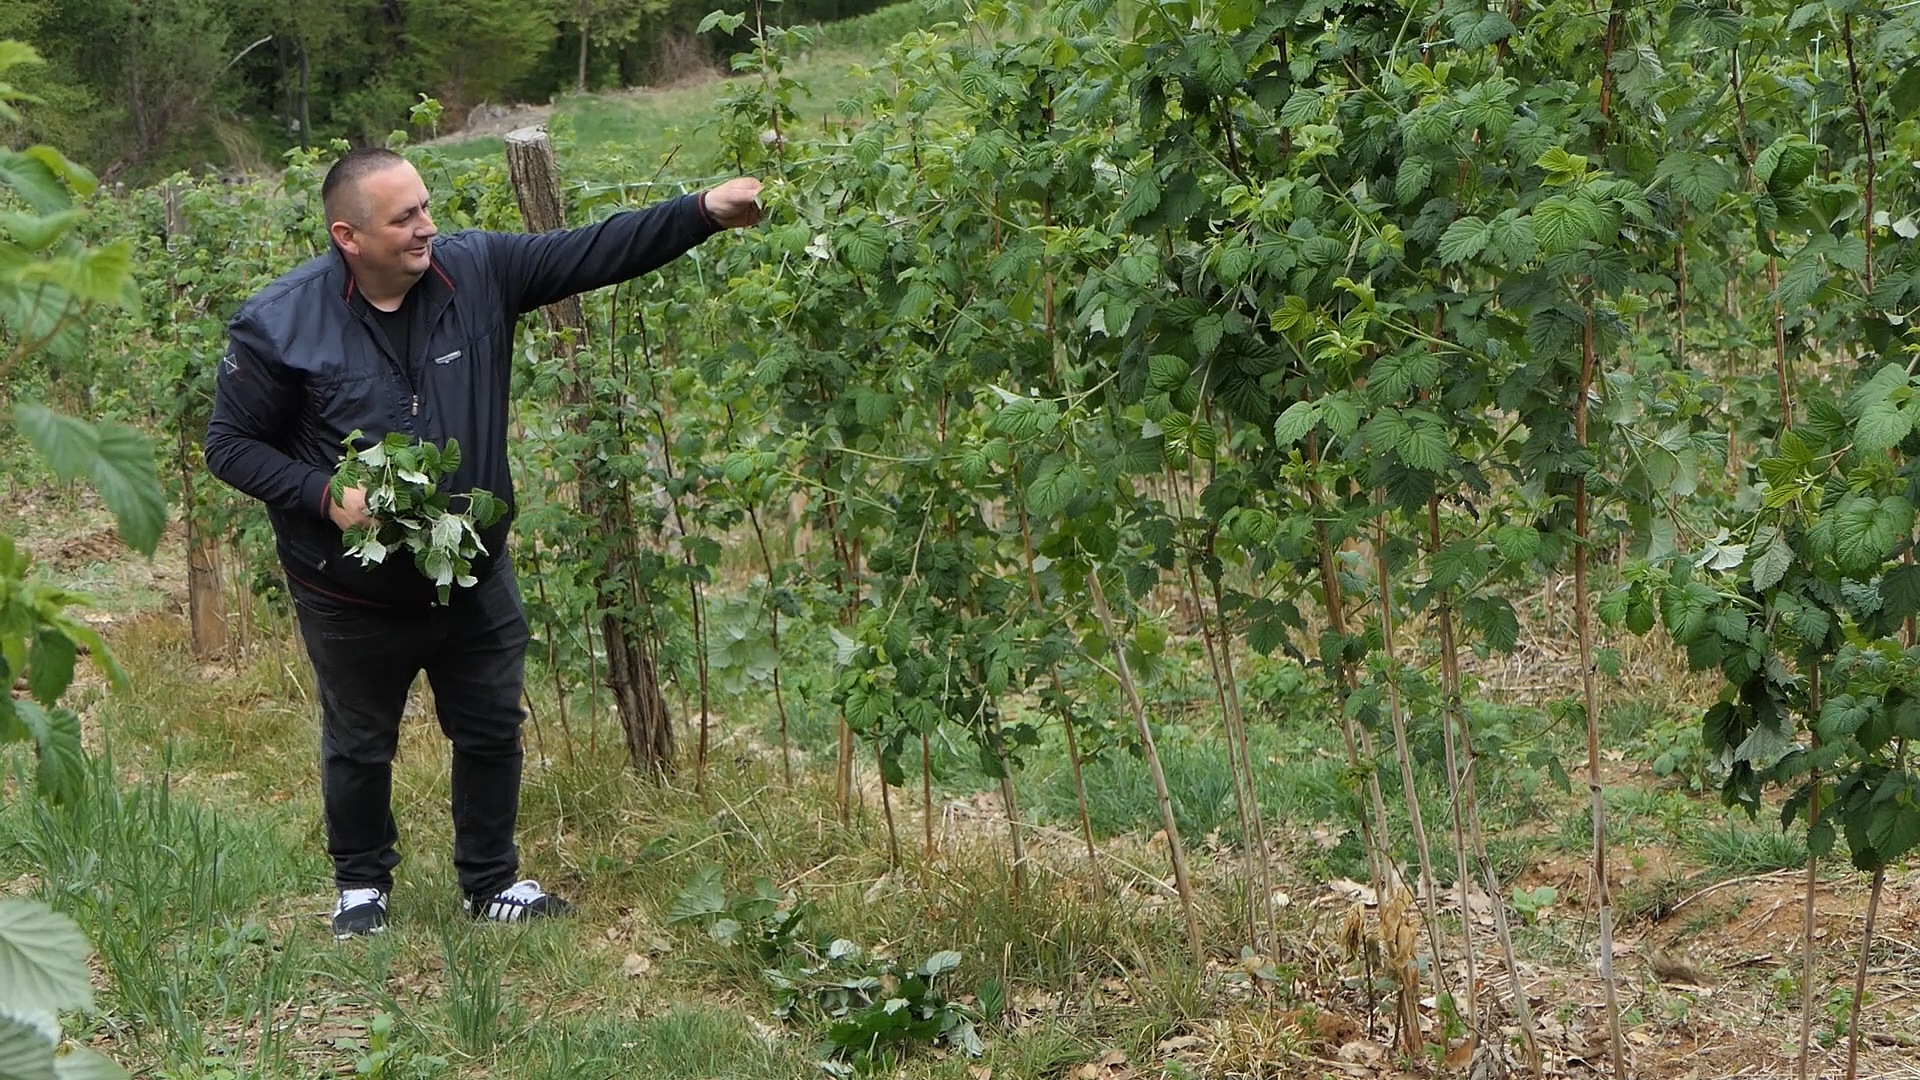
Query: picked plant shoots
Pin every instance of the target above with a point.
(401, 476)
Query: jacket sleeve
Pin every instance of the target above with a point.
(256, 401)
(536, 269)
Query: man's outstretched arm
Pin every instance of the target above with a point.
(537, 269)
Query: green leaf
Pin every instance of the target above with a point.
(1463, 240)
(123, 473)
(1216, 65)
(1233, 260)
(80, 1063)
(940, 963)
(864, 246)
(1143, 197)
(1166, 373)
(43, 959)
(1773, 562)
(1294, 424)
(1415, 174)
(1894, 828)
(699, 898)
(1424, 444)
(68, 444)
(1865, 531)
(36, 184)
(62, 775)
(1844, 714)
(49, 666)
(1698, 180)
(1561, 222)
(1687, 610)
(1900, 592)
(26, 1047)
(1517, 543)
(37, 232)
(118, 460)
(1053, 487)
(1207, 332)
(1510, 240)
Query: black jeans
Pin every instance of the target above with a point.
(364, 661)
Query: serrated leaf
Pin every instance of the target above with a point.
(26, 1048)
(1900, 592)
(36, 184)
(1865, 531)
(1142, 198)
(1561, 222)
(1166, 373)
(124, 476)
(80, 1063)
(1413, 177)
(1516, 543)
(1233, 260)
(1773, 562)
(43, 959)
(1053, 487)
(1424, 445)
(49, 666)
(1294, 424)
(61, 775)
(1207, 332)
(1687, 610)
(699, 898)
(1463, 240)
(67, 443)
(864, 246)
(1216, 65)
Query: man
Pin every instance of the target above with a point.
(398, 329)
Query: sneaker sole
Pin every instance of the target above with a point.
(351, 934)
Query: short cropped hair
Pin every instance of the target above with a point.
(337, 191)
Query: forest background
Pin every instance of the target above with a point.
(139, 88)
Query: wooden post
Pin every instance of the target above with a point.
(206, 600)
(630, 672)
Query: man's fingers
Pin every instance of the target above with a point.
(736, 202)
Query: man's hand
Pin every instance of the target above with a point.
(736, 203)
(351, 510)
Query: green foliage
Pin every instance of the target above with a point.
(764, 918)
(400, 477)
(383, 1055)
(875, 1008)
(43, 968)
(51, 285)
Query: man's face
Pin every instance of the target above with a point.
(394, 236)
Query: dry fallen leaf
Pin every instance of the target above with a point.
(1676, 969)
(1109, 1066)
(1353, 890)
(1176, 1043)
(636, 965)
(1362, 1052)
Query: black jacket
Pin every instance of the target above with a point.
(306, 365)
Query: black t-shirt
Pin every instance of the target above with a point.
(398, 326)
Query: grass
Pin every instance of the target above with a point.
(630, 136)
(194, 864)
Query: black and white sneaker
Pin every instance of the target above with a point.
(518, 901)
(359, 912)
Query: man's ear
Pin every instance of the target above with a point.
(344, 236)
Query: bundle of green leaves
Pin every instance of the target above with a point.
(401, 476)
